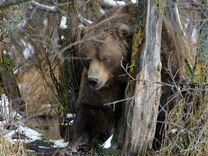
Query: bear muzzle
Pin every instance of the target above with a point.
(97, 75)
(92, 82)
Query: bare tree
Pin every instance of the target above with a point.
(141, 113)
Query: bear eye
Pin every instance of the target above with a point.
(86, 61)
(105, 60)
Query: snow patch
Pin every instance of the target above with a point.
(102, 11)
(194, 35)
(187, 22)
(16, 71)
(29, 49)
(10, 134)
(134, 1)
(107, 143)
(71, 122)
(22, 24)
(62, 37)
(70, 116)
(5, 112)
(63, 23)
(4, 52)
(45, 22)
(4, 106)
(174, 130)
(25, 133)
(114, 3)
(59, 143)
(31, 134)
(44, 147)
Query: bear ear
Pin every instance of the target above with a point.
(124, 31)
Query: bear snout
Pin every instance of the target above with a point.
(92, 82)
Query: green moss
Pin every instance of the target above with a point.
(6, 66)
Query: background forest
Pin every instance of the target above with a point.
(39, 86)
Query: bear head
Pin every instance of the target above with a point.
(104, 52)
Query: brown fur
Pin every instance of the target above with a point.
(100, 126)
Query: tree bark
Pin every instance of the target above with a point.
(9, 84)
(201, 66)
(6, 3)
(142, 112)
(8, 80)
(202, 55)
(68, 81)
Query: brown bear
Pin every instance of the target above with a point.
(104, 51)
(105, 47)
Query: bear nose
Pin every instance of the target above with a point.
(92, 82)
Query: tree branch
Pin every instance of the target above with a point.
(50, 8)
(7, 3)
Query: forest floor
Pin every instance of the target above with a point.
(40, 136)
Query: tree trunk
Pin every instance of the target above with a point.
(201, 66)
(8, 79)
(142, 112)
(202, 55)
(10, 86)
(68, 82)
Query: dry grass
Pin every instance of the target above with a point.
(11, 149)
(187, 132)
(35, 91)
